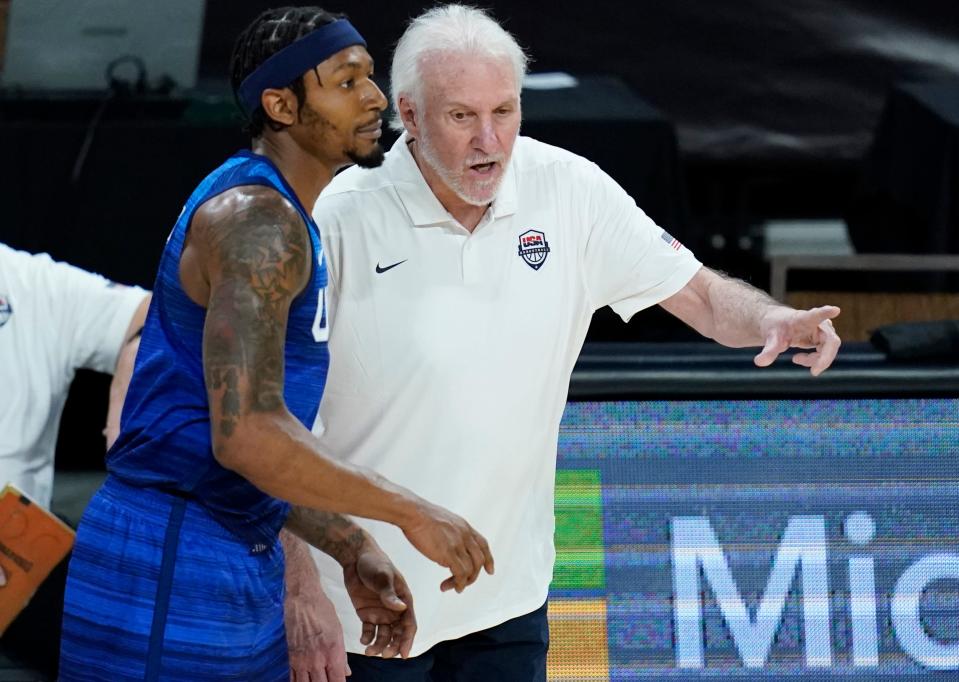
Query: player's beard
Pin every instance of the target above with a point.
(371, 159)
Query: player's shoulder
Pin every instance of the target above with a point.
(263, 202)
(248, 217)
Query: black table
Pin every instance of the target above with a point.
(708, 371)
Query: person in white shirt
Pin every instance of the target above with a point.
(463, 275)
(54, 319)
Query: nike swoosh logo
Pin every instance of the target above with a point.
(380, 270)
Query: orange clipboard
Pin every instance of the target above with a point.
(32, 542)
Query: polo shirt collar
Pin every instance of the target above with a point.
(417, 197)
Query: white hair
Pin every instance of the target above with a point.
(448, 29)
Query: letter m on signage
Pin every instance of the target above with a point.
(802, 548)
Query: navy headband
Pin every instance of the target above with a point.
(285, 66)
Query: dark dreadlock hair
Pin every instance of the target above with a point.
(269, 33)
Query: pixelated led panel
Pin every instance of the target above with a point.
(580, 563)
(578, 642)
(577, 610)
(728, 526)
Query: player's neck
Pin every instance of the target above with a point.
(306, 174)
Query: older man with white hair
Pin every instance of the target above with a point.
(463, 276)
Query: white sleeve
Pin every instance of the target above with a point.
(89, 313)
(630, 262)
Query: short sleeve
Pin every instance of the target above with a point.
(630, 262)
(90, 313)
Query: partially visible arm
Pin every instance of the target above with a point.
(738, 315)
(378, 591)
(313, 633)
(124, 370)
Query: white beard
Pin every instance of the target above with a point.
(455, 182)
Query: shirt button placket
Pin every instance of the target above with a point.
(470, 265)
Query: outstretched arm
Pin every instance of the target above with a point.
(247, 257)
(738, 315)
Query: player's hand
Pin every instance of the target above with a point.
(450, 541)
(3, 577)
(784, 328)
(313, 634)
(382, 601)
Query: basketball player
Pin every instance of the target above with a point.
(177, 570)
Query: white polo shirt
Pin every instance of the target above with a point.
(54, 319)
(451, 355)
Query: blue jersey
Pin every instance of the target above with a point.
(165, 442)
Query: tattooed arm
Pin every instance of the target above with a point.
(379, 593)
(247, 257)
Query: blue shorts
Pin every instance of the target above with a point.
(158, 590)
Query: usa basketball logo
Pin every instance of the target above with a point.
(534, 248)
(6, 310)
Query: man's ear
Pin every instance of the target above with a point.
(280, 105)
(409, 115)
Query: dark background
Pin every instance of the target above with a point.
(774, 107)
(745, 79)
(769, 110)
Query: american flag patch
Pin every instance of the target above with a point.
(671, 240)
